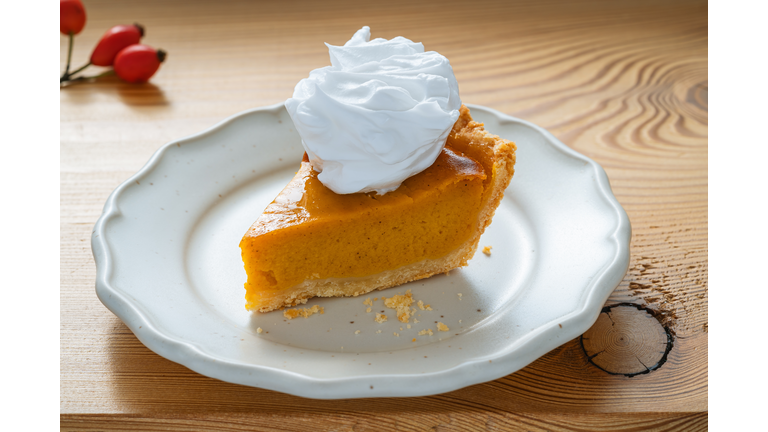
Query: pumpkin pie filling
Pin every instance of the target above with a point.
(312, 242)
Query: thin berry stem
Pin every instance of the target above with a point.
(84, 78)
(66, 78)
(69, 56)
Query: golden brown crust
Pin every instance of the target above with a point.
(497, 156)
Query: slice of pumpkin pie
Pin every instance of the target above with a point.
(311, 241)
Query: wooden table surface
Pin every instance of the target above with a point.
(624, 83)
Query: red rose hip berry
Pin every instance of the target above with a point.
(137, 63)
(72, 16)
(113, 41)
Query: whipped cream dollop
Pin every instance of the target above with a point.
(379, 114)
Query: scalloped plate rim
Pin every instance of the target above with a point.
(516, 356)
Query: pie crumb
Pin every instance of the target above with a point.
(459, 294)
(380, 318)
(401, 303)
(426, 332)
(487, 250)
(368, 310)
(357, 331)
(368, 302)
(395, 333)
(442, 327)
(420, 304)
(293, 313)
(259, 330)
(413, 340)
(415, 321)
(427, 307)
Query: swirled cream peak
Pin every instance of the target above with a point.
(379, 114)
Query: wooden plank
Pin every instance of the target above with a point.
(461, 421)
(623, 83)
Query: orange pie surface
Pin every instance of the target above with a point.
(312, 242)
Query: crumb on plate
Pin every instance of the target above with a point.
(305, 312)
(402, 304)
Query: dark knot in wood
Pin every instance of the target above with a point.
(627, 339)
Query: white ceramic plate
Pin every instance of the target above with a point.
(168, 264)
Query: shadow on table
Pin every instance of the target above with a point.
(132, 95)
(142, 382)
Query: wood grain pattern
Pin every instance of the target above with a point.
(627, 340)
(624, 83)
(453, 421)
